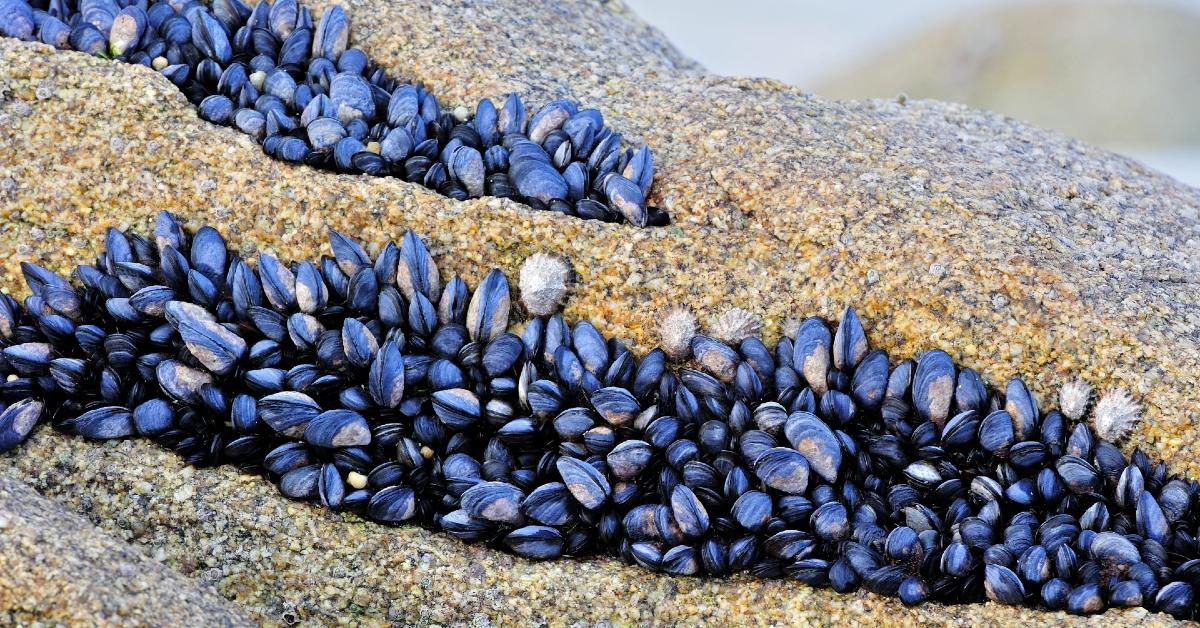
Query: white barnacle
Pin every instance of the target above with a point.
(736, 325)
(544, 282)
(1116, 414)
(676, 331)
(790, 327)
(1074, 398)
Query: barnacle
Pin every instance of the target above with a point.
(1116, 414)
(676, 331)
(544, 281)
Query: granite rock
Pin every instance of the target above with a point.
(60, 569)
(1017, 250)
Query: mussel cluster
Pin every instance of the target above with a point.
(363, 383)
(306, 96)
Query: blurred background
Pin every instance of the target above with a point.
(1123, 74)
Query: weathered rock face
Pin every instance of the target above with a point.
(1016, 250)
(58, 568)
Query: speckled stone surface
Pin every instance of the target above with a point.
(1017, 250)
(58, 568)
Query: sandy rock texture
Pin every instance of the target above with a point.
(59, 568)
(1019, 251)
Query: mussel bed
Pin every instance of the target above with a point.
(363, 383)
(307, 96)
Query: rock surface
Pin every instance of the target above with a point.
(1016, 250)
(58, 568)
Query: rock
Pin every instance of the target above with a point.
(55, 567)
(1055, 259)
